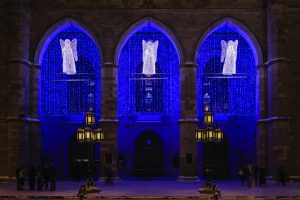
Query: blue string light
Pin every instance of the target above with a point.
(70, 95)
(155, 95)
(227, 95)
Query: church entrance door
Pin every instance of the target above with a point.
(148, 155)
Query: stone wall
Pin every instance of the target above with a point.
(274, 23)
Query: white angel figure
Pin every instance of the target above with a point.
(149, 57)
(69, 55)
(229, 55)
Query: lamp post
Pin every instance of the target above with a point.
(89, 136)
(209, 133)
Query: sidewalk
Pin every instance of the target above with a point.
(157, 189)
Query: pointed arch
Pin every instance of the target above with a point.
(55, 29)
(241, 29)
(155, 23)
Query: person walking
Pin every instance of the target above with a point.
(17, 177)
(250, 175)
(256, 171)
(39, 179)
(45, 173)
(262, 177)
(21, 178)
(242, 176)
(281, 176)
(52, 177)
(31, 177)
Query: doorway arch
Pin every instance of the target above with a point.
(149, 155)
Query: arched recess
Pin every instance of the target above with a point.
(145, 101)
(65, 96)
(232, 98)
(54, 29)
(242, 29)
(142, 23)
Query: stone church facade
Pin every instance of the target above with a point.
(25, 25)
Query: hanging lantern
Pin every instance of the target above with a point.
(80, 135)
(88, 134)
(99, 135)
(90, 118)
(209, 134)
(219, 135)
(208, 119)
(199, 134)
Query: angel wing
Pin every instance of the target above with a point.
(62, 44)
(144, 49)
(74, 48)
(155, 46)
(235, 45)
(224, 48)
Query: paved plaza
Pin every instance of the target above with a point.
(136, 189)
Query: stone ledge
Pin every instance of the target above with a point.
(188, 178)
(277, 60)
(271, 119)
(188, 120)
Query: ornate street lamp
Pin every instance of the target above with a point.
(209, 133)
(90, 136)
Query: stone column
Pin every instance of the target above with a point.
(33, 120)
(278, 114)
(188, 122)
(17, 86)
(109, 121)
(3, 92)
(262, 143)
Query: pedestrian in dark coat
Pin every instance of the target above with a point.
(18, 177)
(39, 179)
(242, 175)
(256, 174)
(45, 173)
(281, 176)
(21, 178)
(262, 177)
(31, 177)
(52, 177)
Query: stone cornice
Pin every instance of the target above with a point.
(108, 65)
(20, 61)
(103, 120)
(188, 65)
(195, 120)
(27, 119)
(272, 119)
(277, 60)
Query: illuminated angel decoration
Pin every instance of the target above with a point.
(69, 55)
(229, 55)
(149, 57)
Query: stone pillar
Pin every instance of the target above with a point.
(109, 121)
(3, 93)
(188, 122)
(17, 77)
(33, 120)
(278, 113)
(262, 143)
